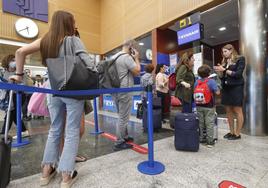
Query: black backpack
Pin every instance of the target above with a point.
(108, 74)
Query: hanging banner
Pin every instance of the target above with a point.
(173, 62)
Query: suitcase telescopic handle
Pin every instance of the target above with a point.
(8, 113)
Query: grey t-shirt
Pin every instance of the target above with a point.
(124, 64)
(79, 50)
(73, 42)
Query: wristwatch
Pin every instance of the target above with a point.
(19, 74)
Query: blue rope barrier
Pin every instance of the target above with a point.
(24, 88)
(149, 167)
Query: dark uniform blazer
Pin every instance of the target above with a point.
(236, 78)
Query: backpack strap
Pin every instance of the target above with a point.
(128, 70)
(205, 80)
(119, 56)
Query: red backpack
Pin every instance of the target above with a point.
(172, 82)
(202, 93)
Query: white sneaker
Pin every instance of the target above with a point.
(23, 135)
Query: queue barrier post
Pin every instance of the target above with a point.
(97, 131)
(19, 140)
(150, 167)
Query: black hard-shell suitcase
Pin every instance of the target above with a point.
(186, 132)
(157, 119)
(157, 114)
(156, 102)
(5, 150)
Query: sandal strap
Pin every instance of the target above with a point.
(74, 174)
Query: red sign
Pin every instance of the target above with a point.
(229, 184)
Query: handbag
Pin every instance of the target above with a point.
(71, 73)
(88, 107)
(175, 101)
(37, 104)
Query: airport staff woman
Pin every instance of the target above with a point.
(231, 73)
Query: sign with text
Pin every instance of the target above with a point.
(190, 34)
(173, 58)
(198, 62)
(230, 184)
(194, 18)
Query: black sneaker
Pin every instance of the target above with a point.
(202, 141)
(122, 146)
(129, 139)
(228, 135)
(27, 118)
(234, 137)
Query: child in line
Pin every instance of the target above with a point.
(204, 92)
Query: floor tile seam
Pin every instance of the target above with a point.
(259, 181)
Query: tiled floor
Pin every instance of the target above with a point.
(26, 160)
(242, 161)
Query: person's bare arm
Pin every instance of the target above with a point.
(218, 92)
(20, 56)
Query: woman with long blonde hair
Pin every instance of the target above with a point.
(231, 73)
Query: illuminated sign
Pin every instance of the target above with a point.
(194, 18)
(190, 34)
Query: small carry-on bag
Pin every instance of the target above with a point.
(186, 132)
(5, 150)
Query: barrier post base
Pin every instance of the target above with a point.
(145, 168)
(96, 132)
(22, 143)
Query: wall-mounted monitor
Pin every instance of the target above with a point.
(190, 34)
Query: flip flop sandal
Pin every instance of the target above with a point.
(80, 158)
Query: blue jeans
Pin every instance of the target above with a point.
(58, 106)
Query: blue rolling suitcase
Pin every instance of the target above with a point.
(186, 132)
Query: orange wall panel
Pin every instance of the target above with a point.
(87, 16)
(105, 24)
(124, 19)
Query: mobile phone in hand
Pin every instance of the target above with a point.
(132, 51)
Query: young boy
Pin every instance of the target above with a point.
(205, 89)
